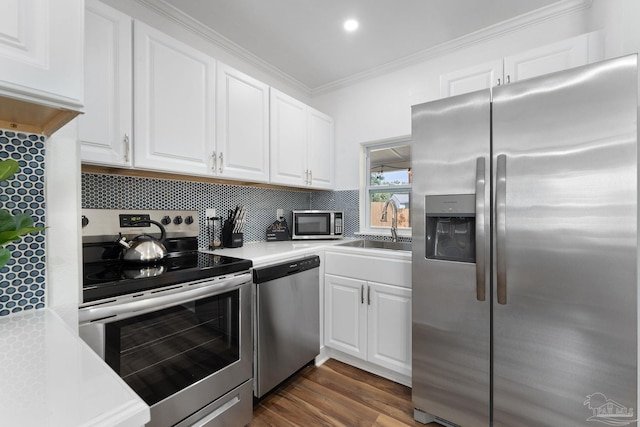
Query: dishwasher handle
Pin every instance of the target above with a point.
(283, 269)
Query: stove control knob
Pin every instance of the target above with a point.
(85, 221)
(188, 220)
(177, 220)
(166, 220)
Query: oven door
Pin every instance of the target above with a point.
(180, 357)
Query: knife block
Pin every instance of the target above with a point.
(229, 238)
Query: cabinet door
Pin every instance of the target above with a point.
(345, 315)
(174, 103)
(288, 140)
(41, 50)
(320, 148)
(389, 327)
(105, 127)
(470, 79)
(559, 56)
(242, 121)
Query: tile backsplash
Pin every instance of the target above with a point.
(100, 191)
(22, 280)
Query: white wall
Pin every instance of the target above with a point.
(380, 108)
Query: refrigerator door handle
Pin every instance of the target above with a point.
(480, 231)
(501, 228)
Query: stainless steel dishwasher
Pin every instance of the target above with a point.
(287, 320)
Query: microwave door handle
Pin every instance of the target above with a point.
(501, 228)
(480, 230)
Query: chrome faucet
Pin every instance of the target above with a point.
(394, 218)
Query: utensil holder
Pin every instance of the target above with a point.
(229, 238)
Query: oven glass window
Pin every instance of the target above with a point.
(160, 353)
(310, 224)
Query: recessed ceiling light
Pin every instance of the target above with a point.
(351, 25)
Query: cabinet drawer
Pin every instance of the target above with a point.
(371, 268)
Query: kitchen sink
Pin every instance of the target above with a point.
(377, 244)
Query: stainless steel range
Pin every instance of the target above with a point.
(175, 324)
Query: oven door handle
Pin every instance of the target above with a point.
(160, 300)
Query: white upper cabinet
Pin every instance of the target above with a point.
(105, 128)
(320, 150)
(174, 92)
(559, 56)
(302, 144)
(242, 112)
(569, 53)
(288, 140)
(190, 114)
(41, 61)
(481, 76)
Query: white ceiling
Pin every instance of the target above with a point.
(304, 38)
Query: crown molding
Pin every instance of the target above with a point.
(172, 13)
(518, 23)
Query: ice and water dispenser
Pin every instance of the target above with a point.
(451, 227)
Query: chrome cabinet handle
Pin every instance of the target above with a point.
(480, 231)
(214, 162)
(368, 295)
(310, 177)
(127, 147)
(499, 82)
(501, 228)
(508, 79)
(361, 294)
(221, 163)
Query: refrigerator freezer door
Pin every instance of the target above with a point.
(566, 328)
(451, 323)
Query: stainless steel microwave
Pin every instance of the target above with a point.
(314, 224)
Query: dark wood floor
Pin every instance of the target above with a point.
(336, 394)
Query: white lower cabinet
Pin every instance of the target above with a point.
(371, 321)
(366, 320)
(389, 326)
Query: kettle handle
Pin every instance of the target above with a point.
(163, 231)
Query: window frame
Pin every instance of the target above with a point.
(366, 189)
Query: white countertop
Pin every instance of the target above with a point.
(263, 253)
(50, 377)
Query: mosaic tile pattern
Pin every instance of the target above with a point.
(123, 192)
(349, 202)
(345, 200)
(22, 280)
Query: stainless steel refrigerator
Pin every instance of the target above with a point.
(525, 252)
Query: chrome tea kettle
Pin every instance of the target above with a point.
(144, 248)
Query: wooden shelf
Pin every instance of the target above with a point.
(30, 117)
(108, 170)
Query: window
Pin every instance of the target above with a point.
(387, 177)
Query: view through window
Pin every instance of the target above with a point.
(388, 180)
